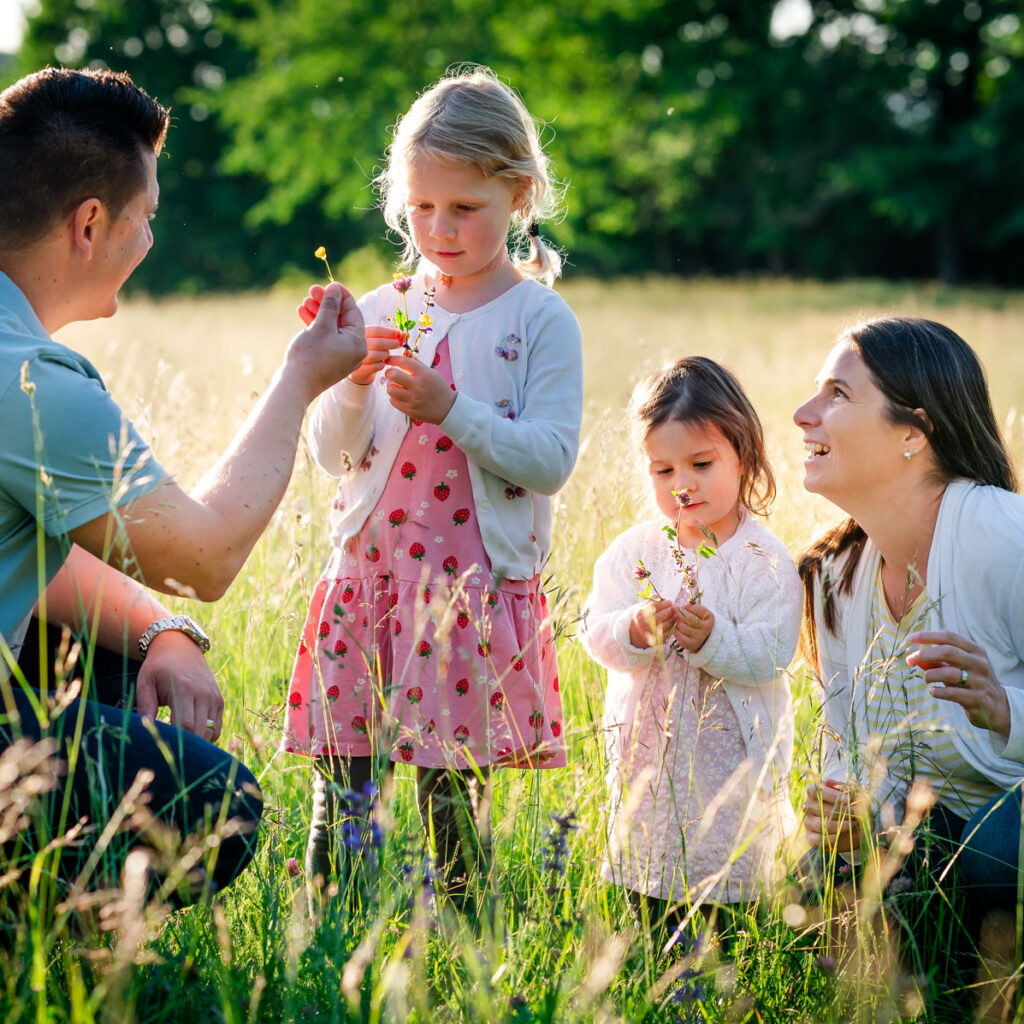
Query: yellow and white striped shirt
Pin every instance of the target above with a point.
(905, 730)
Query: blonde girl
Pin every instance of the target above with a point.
(696, 627)
(427, 640)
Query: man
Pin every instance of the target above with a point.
(87, 514)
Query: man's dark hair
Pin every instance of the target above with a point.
(66, 136)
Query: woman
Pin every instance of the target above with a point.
(915, 614)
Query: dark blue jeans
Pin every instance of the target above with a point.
(196, 789)
(958, 873)
(989, 860)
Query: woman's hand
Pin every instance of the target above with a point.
(831, 815)
(417, 390)
(652, 622)
(693, 626)
(958, 670)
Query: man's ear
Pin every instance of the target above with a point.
(83, 224)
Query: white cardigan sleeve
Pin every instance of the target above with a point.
(341, 425)
(609, 609)
(756, 631)
(536, 450)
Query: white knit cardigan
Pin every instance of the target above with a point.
(516, 419)
(753, 589)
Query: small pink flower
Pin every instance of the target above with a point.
(294, 867)
(401, 284)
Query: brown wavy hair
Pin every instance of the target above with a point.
(698, 390)
(917, 365)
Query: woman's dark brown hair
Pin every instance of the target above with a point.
(917, 365)
(698, 390)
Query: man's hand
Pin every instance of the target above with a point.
(175, 675)
(333, 344)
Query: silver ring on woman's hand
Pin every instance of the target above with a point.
(211, 724)
(963, 677)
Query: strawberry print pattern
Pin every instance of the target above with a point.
(369, 665)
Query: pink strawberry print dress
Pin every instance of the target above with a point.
(411, 645)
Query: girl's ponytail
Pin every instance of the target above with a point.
(544, 262)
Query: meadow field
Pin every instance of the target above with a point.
(559, 944)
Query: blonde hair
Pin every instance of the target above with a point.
(472, 118)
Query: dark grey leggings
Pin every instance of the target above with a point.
(452, 803)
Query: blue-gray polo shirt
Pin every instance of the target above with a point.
(67, 455)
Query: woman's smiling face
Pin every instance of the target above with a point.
(852, 446)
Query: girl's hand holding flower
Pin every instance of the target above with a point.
(958, 670)
(417, 390)
(652, 622)
(693, 626)
(379, 340)
(380, 343)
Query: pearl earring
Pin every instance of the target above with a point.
(909, 454)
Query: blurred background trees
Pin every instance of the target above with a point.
(847, 137)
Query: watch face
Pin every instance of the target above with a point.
(195, 631)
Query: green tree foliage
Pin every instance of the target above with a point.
(943, 84)
(882, 139)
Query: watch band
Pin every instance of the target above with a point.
(180, 623)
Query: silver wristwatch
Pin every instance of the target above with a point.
(181, 623)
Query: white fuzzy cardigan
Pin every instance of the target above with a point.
(753, 589)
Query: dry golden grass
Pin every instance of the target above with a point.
(188, 371)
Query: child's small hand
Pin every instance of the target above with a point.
(380, 342)
(693, 626)
(651, 623)
(417, 390)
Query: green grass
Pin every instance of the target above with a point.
(556, 948)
